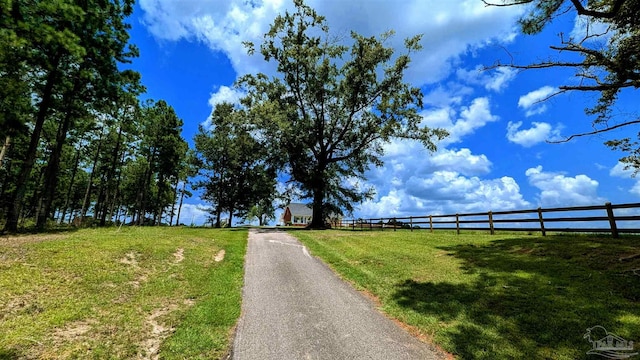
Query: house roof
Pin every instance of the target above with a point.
(300, 209)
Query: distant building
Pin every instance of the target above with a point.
(297, 214)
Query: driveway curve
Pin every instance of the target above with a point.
(295, 307)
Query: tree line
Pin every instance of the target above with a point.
(80, 146)
(78, 143)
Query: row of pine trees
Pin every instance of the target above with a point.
(78, 144)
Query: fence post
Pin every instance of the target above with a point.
(431, 222)
(612, 220)
(370, 224)
(382, 225)
(457, 224)
(491, 223)
(411, 223)
(544, 232)
(395, 222)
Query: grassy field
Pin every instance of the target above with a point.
(494, 297)
(133, 293)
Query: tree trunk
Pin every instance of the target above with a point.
(5, 148)
(51, 173)
(110, 175)
(98, 208)
(157, 214)
(318, 216)
(218, 215)
(53, 166)
(116, 194)
(15, 207)
(173, 204)
(230, 217)
(3, 189)
(144, 190)
(36, 200)
(87, 194)
(184, 185)
(74, 171)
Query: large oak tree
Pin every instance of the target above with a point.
(332, 107)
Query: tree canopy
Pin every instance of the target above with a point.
(232, 162)
(330, 109)
(75, 139)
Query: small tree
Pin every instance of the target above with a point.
(333, 107)
(264, 211)
(232, 161)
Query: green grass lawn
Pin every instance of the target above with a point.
(494, 297)
(133, 293)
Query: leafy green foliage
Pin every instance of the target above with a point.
(65, 56)
(232, 162)
(332, 107)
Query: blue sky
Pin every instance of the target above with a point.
(496, 157)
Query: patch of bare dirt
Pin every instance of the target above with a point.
(19, 304)
(159, 331)
(72, 331)
(139, 281)
(219, 256)
(179, 255)
(130, 259)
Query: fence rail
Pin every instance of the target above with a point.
(492, 221)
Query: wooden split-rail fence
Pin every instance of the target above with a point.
(602, 218)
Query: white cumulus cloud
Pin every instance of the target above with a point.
(446, 192)
(540, 132)
(557, 189)
(492, 80)
(532, 102)
(621, 170)
(226, 94)
(412, 182)
(470, 118)
(453, 29)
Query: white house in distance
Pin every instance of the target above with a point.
(297, 214)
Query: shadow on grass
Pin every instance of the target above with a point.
(30, 230)
(532, 297)
(9, 354)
